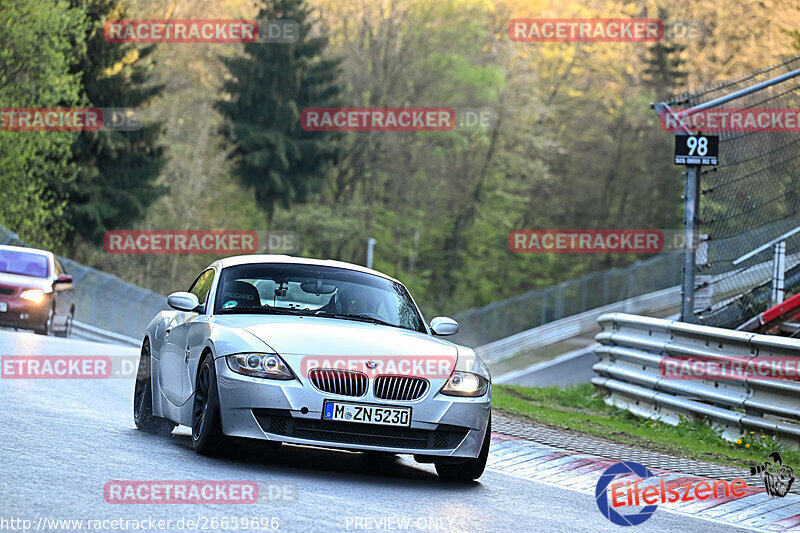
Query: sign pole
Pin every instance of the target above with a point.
(691, 150)
(691, 202)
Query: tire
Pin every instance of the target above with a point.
(207, 436)
(470, 469)
(67, 331)
(47, 327)
(143, 398)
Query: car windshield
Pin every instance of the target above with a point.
(335, 293)
(23, 263)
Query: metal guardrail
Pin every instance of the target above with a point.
(632, 347)
(498, 320)
(573, 326)
(90, 333)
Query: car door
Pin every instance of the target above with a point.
(63, 295)
(175, 355)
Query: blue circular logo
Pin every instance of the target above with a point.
(600, 494)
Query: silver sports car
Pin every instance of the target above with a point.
(313, 352)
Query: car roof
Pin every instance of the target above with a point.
(35, 251)
(288, 259)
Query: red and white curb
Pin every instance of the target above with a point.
(579, 472)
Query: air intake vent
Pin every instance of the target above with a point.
(400, 388)
(441, 438)
(344, 382)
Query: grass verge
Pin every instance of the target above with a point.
(580, 408)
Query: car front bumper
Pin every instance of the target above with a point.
(23, 314)
(291, 411)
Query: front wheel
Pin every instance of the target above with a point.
(471, 468)
(67, 331)
(207, 436)
(47, 327)
(143, 398)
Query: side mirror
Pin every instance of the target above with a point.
(63, 278)
(182, 301)
(442, 326)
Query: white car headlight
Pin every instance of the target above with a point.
(471, 384)
(260, 365)
(33, 295)
(465, 384)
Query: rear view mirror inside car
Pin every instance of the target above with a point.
(317, 287)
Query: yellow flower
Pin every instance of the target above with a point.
(752, 432)
(763, 437)
(746, 445)
(738, 441)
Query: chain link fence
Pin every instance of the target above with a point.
(750, 198)
(501, 319)
(103, 300)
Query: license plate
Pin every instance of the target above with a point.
(367, 414)
(3, 307)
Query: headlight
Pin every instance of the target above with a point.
(465, 384)
(260, 365)
(33, 295)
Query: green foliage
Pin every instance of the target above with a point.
(118, 169)
(270, 85)
(581, 408)
(37, 54)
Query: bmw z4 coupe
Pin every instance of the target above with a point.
(313, 352)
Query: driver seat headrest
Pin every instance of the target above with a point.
(243, 293)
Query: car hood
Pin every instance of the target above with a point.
(294, 335)
(28, 282)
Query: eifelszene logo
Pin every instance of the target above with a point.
(637, 493)
(601, 495)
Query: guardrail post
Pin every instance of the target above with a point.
(560, 296)
(778, 271)
(584, 293)
(544, 307)
(370, 247)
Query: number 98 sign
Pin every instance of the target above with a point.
(696, 149)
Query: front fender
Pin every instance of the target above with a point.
(220, 338)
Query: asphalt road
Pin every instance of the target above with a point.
(63, 440)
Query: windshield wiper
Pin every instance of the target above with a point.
(259, 309)
(359, 318)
